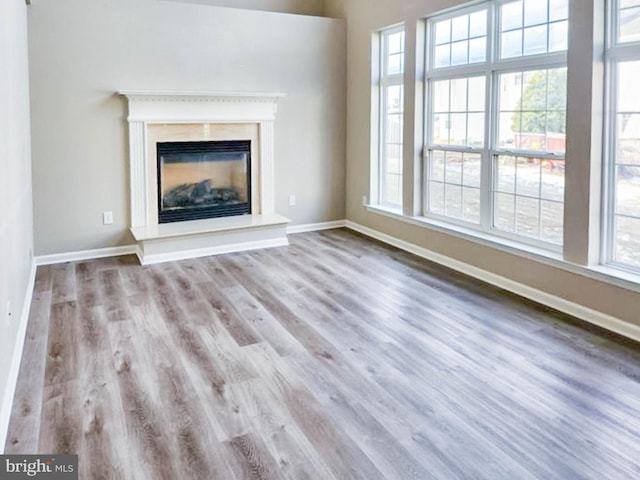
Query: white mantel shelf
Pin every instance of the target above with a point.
(157, 106)
(152, 95)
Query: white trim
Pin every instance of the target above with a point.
(14, 368)
(136, 250)
(150, 259)
(267, 166)
(138, 188)
(587, 314)
(85, 255)
(314, 227)
(205, 107)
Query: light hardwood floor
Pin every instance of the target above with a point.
(334, 358)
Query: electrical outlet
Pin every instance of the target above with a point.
(107, 218)
(364, 200)
(7, 315)
(292, 200)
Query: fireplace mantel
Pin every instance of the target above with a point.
(178, 107)
(207, 109)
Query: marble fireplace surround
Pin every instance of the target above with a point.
(191, 116)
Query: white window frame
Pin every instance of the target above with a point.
(492, 68)
(385, 81)
(615, 54)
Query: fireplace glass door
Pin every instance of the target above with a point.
(198, 180)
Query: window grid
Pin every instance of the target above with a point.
(454, 184)
(391, 117)
(459, 107)
(539, 113)
(621, 233)
(531, 27)
(628, 21)
(461, 40)
(533, 216)
(523, 189)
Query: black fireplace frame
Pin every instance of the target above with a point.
(200, 213)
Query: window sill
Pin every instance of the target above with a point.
(613, 276)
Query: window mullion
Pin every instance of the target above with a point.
(487, 180)
(388, 80)
(609, 187)
(530, 63)
(382, 145)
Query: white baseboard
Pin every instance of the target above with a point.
(85, 255)
(14, 368)
(314, 227)
(584, 313)
(135, 250)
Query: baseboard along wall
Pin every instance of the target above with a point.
(14, 368)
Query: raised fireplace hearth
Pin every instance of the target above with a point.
(202, 174)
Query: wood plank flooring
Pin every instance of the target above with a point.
(334, 358)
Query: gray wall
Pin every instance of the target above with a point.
(82, 52)
(16, 234)
(364, 18)
(301, 7)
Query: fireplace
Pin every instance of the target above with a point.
(199, 155)
(204, 179)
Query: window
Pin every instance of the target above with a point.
(391, 117)
(496, 118)
(622, 198)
